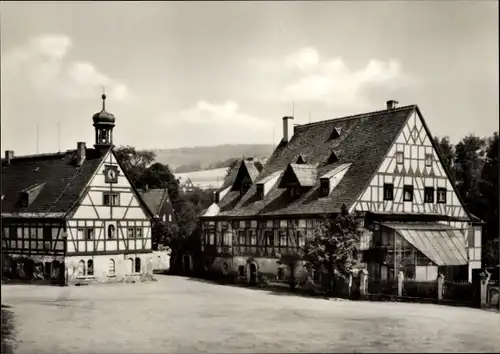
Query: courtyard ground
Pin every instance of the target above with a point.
(183, 315)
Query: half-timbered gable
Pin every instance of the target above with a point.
(375, 164)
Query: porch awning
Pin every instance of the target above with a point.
(442, 244)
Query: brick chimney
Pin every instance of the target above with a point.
(80, 153)
(391, 104)
(9, 155)
(286, 130)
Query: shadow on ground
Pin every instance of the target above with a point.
(278, 290)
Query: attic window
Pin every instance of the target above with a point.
(332, 158)
(324, 187)
(294, 191)
(245, 185)
(335, 133)
(260, 191)
(37, 169)
(300, 160)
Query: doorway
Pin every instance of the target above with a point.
(252, 274)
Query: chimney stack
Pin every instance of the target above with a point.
(286, 137)
(391, 104)
(80, 153)
(9, 155)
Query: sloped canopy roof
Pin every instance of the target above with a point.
(364, 142)
(442, 244)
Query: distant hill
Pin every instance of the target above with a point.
(198, 158)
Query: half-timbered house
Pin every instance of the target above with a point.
(74, 216)
(383, 166)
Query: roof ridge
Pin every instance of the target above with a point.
(358, 115)
(50, 154)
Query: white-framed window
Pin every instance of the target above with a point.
(80, 234)
(111, 232)
(253, 237)
(241, 238)
(408, 193)
(428, 160)
(110, 199)
(90, 232)
(477, 238)
(441, 195)
(90, 267)
(283, 238)
(111, 267)
(400, 156)
(138, 232)
(130, 232)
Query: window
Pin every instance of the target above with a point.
(429, 195)
(388, 191)
(301, 237)
(165, 217)
(324, 187)
(111, 267)
(253, 237)
(130, 232)
(441, 195)
(428, 159)
(270, 238)
(169, 217)
(79, 234)
(400, 156)
(81, 268)
(13, 232)
(138, 232)
(407, 193)
(241, 237)
(211, 238)
(227, 238)
(90, 233)
(111, 199)
(90, 267)
(137, 265)
(283, 238)
(241, 271)
(47, 233)
(260, 191)
(111, 231)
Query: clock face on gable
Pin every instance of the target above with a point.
(111, 174)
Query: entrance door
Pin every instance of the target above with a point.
(253, 274)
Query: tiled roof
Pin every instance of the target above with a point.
(60, 181)
(154, 199)
(364, 141)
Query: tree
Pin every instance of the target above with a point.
(291, 260)
(488, 187)
(446, 151)
(334, 246)
(133, 161)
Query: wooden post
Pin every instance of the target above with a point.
(401, 278)
(363, 284)
(440, 283)
(485, 279)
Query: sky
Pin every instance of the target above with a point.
(181, 74)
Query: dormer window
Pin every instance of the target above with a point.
(332, 158)
(294, 191)
(301, 160)
(400, 156)
(260, 191)
(324, 187)
(216, 197)
(335, 133)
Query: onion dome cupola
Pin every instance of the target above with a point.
(104, 123)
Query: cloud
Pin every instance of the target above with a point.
(306, 76)
(226, 115)
(42, 64)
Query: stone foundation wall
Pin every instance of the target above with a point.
(124, 271)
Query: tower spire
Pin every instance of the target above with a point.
(103, 96)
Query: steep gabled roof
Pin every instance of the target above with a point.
(155, 199)
(364, 141)
(63, 181)
(304, 175)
